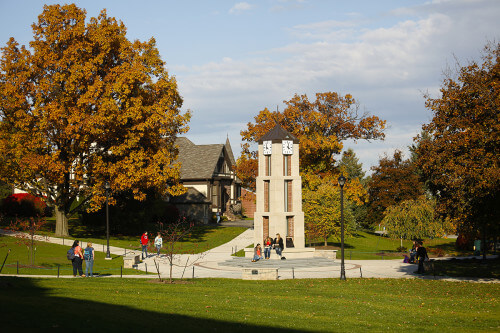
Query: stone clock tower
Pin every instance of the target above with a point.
(279, 193)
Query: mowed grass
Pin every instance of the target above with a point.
(199, 239)
(364, 245)
(49, 256)
(223, 305)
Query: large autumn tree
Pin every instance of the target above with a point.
(460, 157)
(393, 181)
(82, 106)
(321, 126)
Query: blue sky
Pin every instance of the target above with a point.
(234, 58)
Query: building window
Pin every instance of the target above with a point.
(287, 169)
(289, 226)
(265, 226)
(268, 165)
(288, 195)
(289, 231)
(267, 195)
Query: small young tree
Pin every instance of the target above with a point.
(173, 234)
(25, 229)
(415, 219)
(322, 211)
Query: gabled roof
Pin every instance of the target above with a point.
(200, 161)
(277, 134)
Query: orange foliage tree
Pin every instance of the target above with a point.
(84, 105)
(321, 126)
(393, 181)
(460, 158)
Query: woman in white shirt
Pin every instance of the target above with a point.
(158, 243)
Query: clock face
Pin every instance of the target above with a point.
(268, 147)
(287, 147)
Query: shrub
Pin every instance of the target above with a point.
(437, 251)
(401, 249)
(24, 205)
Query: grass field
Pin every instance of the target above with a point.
(201, 237)
(48, 257)
(219, 305)
(365, 245)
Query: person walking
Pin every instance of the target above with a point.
(278, 245)
(144, 244)
(268, 243)
(77, 260)
(88, 255)
(158, 243)
(421, 257)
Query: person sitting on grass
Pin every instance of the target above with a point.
(257, 253)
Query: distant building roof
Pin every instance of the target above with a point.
(201, 161)
(277, 134)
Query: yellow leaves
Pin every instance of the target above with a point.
(89, 103)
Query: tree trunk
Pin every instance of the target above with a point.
(61, 222)
(326, 242)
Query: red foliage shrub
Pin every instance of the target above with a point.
(23, 204)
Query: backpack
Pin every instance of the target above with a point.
(70, 254)
(87, 253)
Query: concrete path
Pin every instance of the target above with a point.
(219, 263)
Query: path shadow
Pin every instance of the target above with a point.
(27, 307)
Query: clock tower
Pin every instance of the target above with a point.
(279, 194)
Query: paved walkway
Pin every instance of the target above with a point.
(218, 263)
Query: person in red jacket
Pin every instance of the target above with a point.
(144, 244)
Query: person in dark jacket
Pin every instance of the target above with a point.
(421, 257)
(77, 260)
(278, 245)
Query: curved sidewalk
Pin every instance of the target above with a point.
(219, 263)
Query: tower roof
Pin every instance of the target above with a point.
(277, 134)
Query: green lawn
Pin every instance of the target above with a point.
(201, 237)
(48, 257)
(222, 305)
(368, 245)
(477, 268)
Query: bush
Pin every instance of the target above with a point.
(24, 205)
(437, 251)
(401, 249)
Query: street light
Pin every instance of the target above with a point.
(107, 187)
(342, 267)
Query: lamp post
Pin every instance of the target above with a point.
(342, 180)
(107, 187)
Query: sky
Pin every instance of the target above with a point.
(232, 59)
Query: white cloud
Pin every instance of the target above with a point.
(386, 68)
(240, 7)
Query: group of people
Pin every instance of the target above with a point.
(145, 242)
(276, 244)
(88, 254)
(80, 256)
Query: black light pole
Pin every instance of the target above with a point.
(107, 187)
(342, 267)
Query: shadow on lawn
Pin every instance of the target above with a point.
(32, 308)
